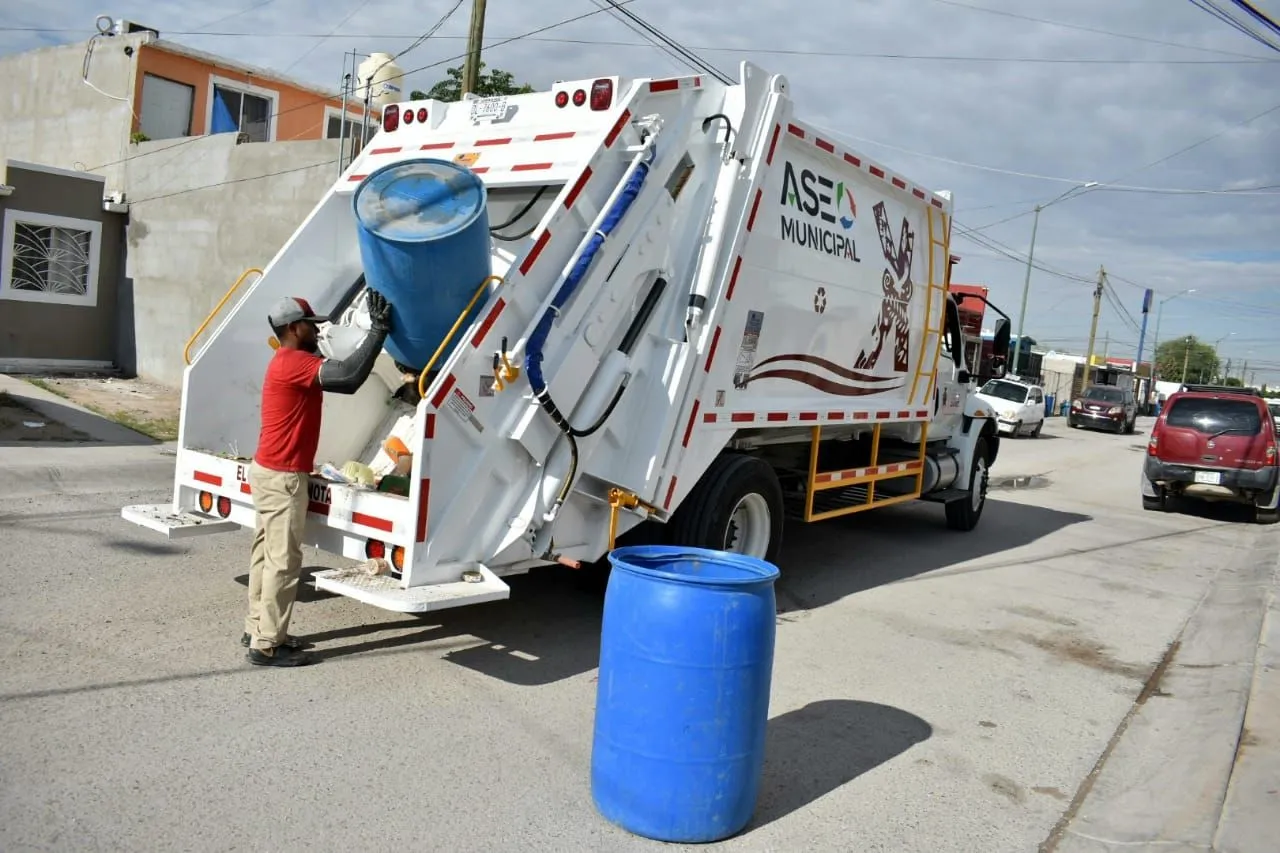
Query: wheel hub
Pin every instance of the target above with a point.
(750, 527)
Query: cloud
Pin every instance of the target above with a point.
(1092, 121)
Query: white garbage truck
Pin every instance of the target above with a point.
(658, 307)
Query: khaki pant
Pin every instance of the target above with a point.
(276, 563)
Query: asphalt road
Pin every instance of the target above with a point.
(1073, 675)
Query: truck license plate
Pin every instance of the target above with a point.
(1209, 478)
(488, 109)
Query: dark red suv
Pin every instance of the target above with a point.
(1216, 444)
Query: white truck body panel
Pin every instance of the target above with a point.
(804, 288)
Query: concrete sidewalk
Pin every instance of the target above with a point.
(77, 417)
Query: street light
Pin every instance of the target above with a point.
(1155, 358)
(1026, 284)
(1217, 344)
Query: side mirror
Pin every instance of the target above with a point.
(1000, 345)
(999, 366)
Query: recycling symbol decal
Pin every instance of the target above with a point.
(820, 300)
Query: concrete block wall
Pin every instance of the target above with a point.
(202, 211)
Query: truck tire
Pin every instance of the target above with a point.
(1159, 503)
(736, 506)
(963, 514)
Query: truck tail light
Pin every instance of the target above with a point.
(562, 99)
(579, 97)
(422, 115)
(601, 95)
(397, 558)
(375, 549)
(391, 118)
(206, 502)
(224, 506)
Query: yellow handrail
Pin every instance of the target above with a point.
(422, 377)
(186, 353)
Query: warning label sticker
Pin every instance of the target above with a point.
(464, 409)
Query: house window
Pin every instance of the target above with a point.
(49, 259)
(239, 107)
(166, 108)
(333, 129)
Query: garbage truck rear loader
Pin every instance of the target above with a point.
(616, 302)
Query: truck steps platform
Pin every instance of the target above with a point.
(176, 525)
(386, 592)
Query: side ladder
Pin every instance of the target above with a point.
(859, 484)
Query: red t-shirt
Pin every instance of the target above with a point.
(291, 405)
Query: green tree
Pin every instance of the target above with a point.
(488, 84)
(1201, 361)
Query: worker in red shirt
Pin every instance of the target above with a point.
(292, 396)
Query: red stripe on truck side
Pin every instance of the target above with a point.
(733, 279)
(743, 418)
(211, 479)
(795, 131)
(531, 258)
(436, 146)
(773, 143)
(246, 489)
(711, 353)
(372, 521)
(532, 167)
(776, 416)
(318, 508)
(918, 193)
(355, 178)
(429, 429)
(709, 418)
(663, 85)
(852, 161)
(688, 430)
(755, 208)
(671, 491)
(424, 497)
(617, 128)
(445, 387)
(548, 137)
(824, 145)
(936, 203)
(877, 171)
(395, 150)
(488, 322)
(808, 416)
(500, 140)
(899, 183)
(577, 188)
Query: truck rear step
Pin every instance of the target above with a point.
(386, 592)
(176, 525)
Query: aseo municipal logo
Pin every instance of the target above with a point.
(820, 203)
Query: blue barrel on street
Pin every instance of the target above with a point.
(1048, 405)
(686, 661)
(423, 229)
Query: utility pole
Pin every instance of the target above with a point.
(1093, 329)
(475, 40)
(1106, 347)
(1186, 356)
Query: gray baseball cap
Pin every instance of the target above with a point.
(291, 309)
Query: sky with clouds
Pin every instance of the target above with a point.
(955, 94)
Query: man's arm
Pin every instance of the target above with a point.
(347, 375)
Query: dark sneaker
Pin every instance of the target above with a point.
(291, 642)
(279, 656)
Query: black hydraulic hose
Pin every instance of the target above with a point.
(493, 229)
(512, 238)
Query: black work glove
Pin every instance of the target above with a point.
(379, 312)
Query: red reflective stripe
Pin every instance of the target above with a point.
(904, 414)
(445, 387)
(424, 498)
(547, 137)
(617, 128)
(808, 416)
(671, 490)
(851, 160)
(386, 150)
(711, 353)
(936, 203)
(246, 489)
(825, 145)
(501, 140)
(918, 193)
(318, 508)
(899, 183)
(743, 417)
(709, 418)
(488, 322)
(531, 167)
(372, 521)
(479, 170)
(835, 416)
(663, 85)
(883, 416)
(532, 257)
(777, 416)
(354, 178)
(436, 146)
(922, 413)
(688, 430)
(429, 429)
(861, 416)
(773, 143)
(877, 171)
(755, 208)
(211, 479)
(733, 279)
(577, 188)
(795, 131)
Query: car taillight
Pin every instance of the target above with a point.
(391, 118)
(1153, 444)
(422, 115)
(562, 99)
(601, 95)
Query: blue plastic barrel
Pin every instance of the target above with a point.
(1048, 405)
(423, 229)
(686, 660)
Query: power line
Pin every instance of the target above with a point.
(1225, 16)
(1064, 25)
(255, 7)
(354, 11)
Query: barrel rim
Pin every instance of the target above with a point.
(756, 570)
(481, 208)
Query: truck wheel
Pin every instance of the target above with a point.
(736, 506)
(963, 514)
